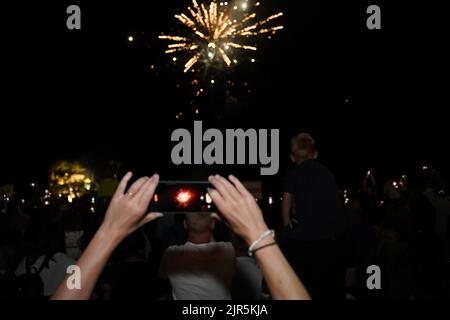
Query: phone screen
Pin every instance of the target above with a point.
(173, 197)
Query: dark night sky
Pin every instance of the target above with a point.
(371, 98)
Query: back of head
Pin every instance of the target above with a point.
(199, 223)
(303, 147)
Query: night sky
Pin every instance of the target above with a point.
(371, 98)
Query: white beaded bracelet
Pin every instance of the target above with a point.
(265, 234)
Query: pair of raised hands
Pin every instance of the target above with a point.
(127, 211)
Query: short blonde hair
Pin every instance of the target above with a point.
(303, 146)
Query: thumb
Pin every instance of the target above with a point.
(150, 217)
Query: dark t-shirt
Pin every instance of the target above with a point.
(318, 204)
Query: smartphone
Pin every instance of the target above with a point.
(181, 197)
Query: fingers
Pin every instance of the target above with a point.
(217, 198)
(147, 190)
(136, 186)
(239, 186)
(123, 184)
(219, 186)
(225, 188)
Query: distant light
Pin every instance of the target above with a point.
(210, 55)
(235, 7)
(174, 59)
(244, 6)
(152, 66)
(208, 198)
(130, 39)
(425, 168)
(270, 200)
(235, 61)
(197, 111)
(257, 4)
(155, 198)
(212, 81)
(202, 198)
(183, 197)
(252, 60)
(46, 203)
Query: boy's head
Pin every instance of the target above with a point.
(303, 147)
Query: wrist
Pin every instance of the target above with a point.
(255, 234)
(109, 236)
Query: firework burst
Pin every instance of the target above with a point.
(215, 32)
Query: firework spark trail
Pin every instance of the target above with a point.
(216, 29)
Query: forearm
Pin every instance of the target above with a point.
(280, 277)
(91, 264)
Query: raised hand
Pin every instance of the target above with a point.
(238, 207)
(127, 210)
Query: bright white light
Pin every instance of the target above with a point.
(270, 200)
(130, 39)
(183, 196)
(212, 81)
